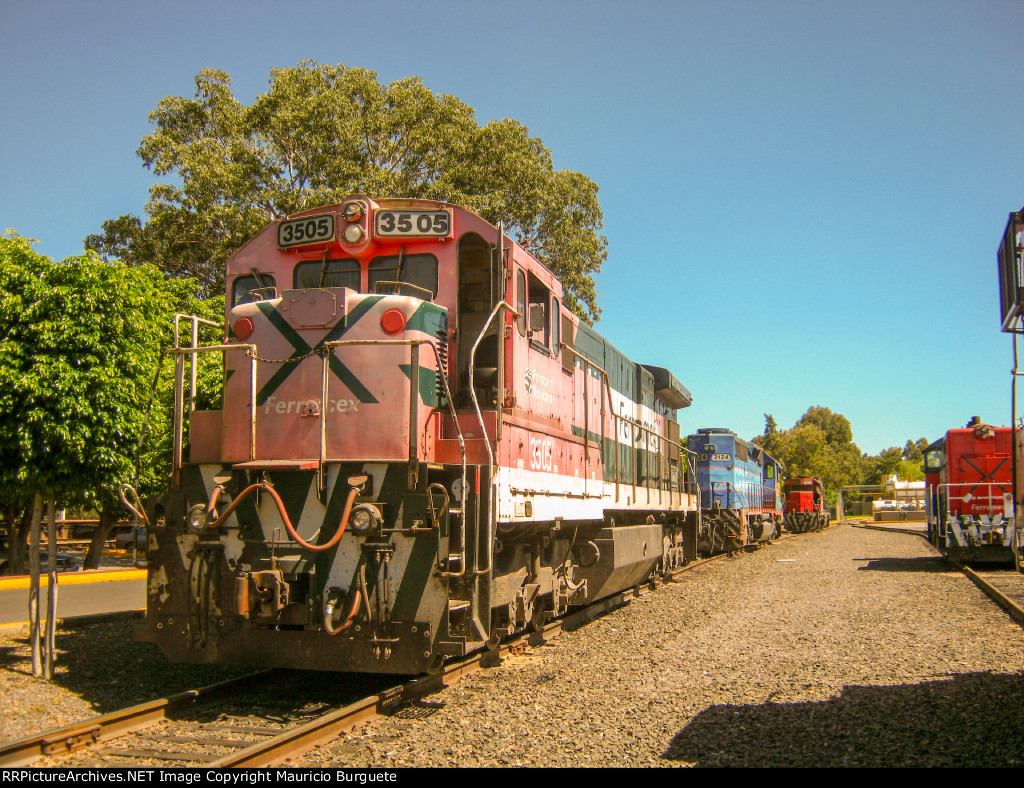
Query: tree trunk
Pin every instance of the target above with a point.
(99, 536)
(10, 534)
(17, 541)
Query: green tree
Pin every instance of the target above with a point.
(79, 343)
(876, 469)
(771, 438)
(321, 132)
(910, 471)
(820, 444)
(914, 450)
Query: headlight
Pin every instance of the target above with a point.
(364, 519)
(197, 519)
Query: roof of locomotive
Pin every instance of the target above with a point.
(670, 390)
(466, 215)
(753, 449)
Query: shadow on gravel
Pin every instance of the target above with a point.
(971, 720)
(931, 563)
(9, 660)
(102, 664)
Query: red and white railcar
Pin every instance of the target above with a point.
(420, 450)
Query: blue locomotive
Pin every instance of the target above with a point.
(740, 491)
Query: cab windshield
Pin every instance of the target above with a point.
(419, 270)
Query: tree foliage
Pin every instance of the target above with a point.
(913, 451)
(80, 340)
(321, 132)
(875, 470)
(820, 444)
(904, 463)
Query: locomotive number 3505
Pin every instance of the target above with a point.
(434, 224)
(308, 230)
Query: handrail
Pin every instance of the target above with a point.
(179, 398)
(1007, 524)
(586, 411)
(692, 487)
(492, 508)
(195, 341)
(751, 495)
(988, 499)
(251, 350)
(195, 324)
(635, 423)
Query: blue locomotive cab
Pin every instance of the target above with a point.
(739, 485)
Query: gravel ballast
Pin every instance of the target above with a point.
(849, 647)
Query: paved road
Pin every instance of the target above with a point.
(78, 594)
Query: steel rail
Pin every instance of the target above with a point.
(922, 534)
(1015, 611)
(106, 727)
(277, 749)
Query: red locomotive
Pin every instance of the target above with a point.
(420, 451)
(969, 477)
(805, 505)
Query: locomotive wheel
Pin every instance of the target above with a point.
(1018, 560)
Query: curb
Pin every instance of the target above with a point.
(75, 578)
(76, 621)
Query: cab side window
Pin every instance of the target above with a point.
(539, 313)
(556, 315)
(521, 301)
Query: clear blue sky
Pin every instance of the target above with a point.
(802, 200)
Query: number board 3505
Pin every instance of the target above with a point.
(406, 224)
(307, 230)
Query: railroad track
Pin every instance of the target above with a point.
(266, 718)
(1004, 586)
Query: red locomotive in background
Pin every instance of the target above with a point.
(804, 508)
(969, 478)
